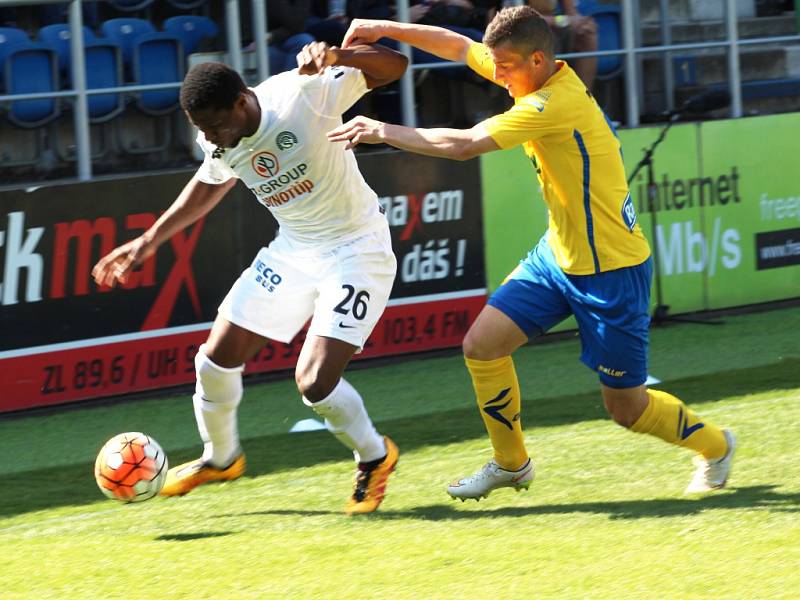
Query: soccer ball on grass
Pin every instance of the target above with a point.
(131, 467)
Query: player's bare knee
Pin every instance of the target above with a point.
(315, 385)
(473, 348)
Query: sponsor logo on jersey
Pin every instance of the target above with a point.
(285, 140)
(539, 99)
(283, 187)
(299, 189)
(629, 212)
(265, 164)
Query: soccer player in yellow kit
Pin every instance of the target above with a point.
(592, 262)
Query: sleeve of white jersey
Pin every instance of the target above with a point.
(213, 170)
(335, 90)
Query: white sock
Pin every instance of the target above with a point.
(346, 418)
(217, 394)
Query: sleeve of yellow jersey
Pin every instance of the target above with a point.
(480, 61)
(530, 118)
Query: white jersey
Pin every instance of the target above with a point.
(312, 186)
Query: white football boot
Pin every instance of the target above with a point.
(491, 477)
(713, 475)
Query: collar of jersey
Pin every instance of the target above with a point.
(561, 72)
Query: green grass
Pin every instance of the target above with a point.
(605, 518)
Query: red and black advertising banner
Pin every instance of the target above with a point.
(62, 338)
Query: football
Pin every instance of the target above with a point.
(131, 467)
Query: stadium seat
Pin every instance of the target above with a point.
(191, 29)
(103, 64)
(31, 68)
(103, 70)
(11, 38)
(125, 31)
(12, 35)
(58, 37)
(158, 58)
(609, 35)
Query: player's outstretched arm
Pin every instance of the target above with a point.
(457, 144)
(444, 43)
(196, 200)
(379, 64)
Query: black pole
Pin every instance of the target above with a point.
(661, 310)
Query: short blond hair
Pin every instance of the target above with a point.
(523, 28)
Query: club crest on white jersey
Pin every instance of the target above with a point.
(265, 164)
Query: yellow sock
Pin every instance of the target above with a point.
(497, 391)
(668, 418)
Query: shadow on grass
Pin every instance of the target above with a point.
(757, 497)
(187, 537)
(74, 485)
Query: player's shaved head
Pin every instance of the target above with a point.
(211, 86)
(522, 28)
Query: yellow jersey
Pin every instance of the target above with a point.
(578, 160)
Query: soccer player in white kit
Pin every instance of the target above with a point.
(331, 261)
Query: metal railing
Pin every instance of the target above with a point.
(630, 51)
(79, 92)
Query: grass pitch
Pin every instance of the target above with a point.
(605, 517)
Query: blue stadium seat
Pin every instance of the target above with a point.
(103, 64)
(191, 29)
(58, 36)
(11, 35)
(103, 70)
(11, 38)
(103, 60)
(31, 68)
(609, 35)
(125, 31)
(158, 58)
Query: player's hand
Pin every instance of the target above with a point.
(314, 57)
(416, 12)
(118, 264)
(360, 130)
(364, 31)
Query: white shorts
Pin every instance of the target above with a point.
(345, 290)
